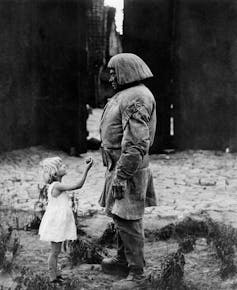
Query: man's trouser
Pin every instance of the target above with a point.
(130, 241)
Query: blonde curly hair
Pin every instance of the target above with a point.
(50, 167)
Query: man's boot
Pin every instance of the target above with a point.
(115, 266)
(134, 281)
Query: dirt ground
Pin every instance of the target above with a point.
(187, 183)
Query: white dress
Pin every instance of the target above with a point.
(58, 223)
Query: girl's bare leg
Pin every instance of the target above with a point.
(53, 260)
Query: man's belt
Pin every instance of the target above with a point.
(111, 156)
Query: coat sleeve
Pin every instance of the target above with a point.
(136, 139)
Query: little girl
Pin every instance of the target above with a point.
(58, 222)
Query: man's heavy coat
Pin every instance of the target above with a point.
(127, 131)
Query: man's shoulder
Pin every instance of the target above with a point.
(137, 94)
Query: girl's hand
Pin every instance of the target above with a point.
(89, 163)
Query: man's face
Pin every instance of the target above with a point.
(113, 79)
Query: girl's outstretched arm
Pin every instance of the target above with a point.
(60, 187)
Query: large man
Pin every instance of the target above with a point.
(127, 131)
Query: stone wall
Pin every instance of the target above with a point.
(42, 73)
(147, 33)
(206, 73)
(103, 42)
(190, 46)
(96, 47)
(19, 79)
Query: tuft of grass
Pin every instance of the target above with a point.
(219, 235)
(170, 274)
(9, 248)
(41, 203)
(28, 280)
(188, 227)
(33, 224)
(109, 236)
(224, 240)
(43, 192)
(83, 250)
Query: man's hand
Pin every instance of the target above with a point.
(118, 188)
